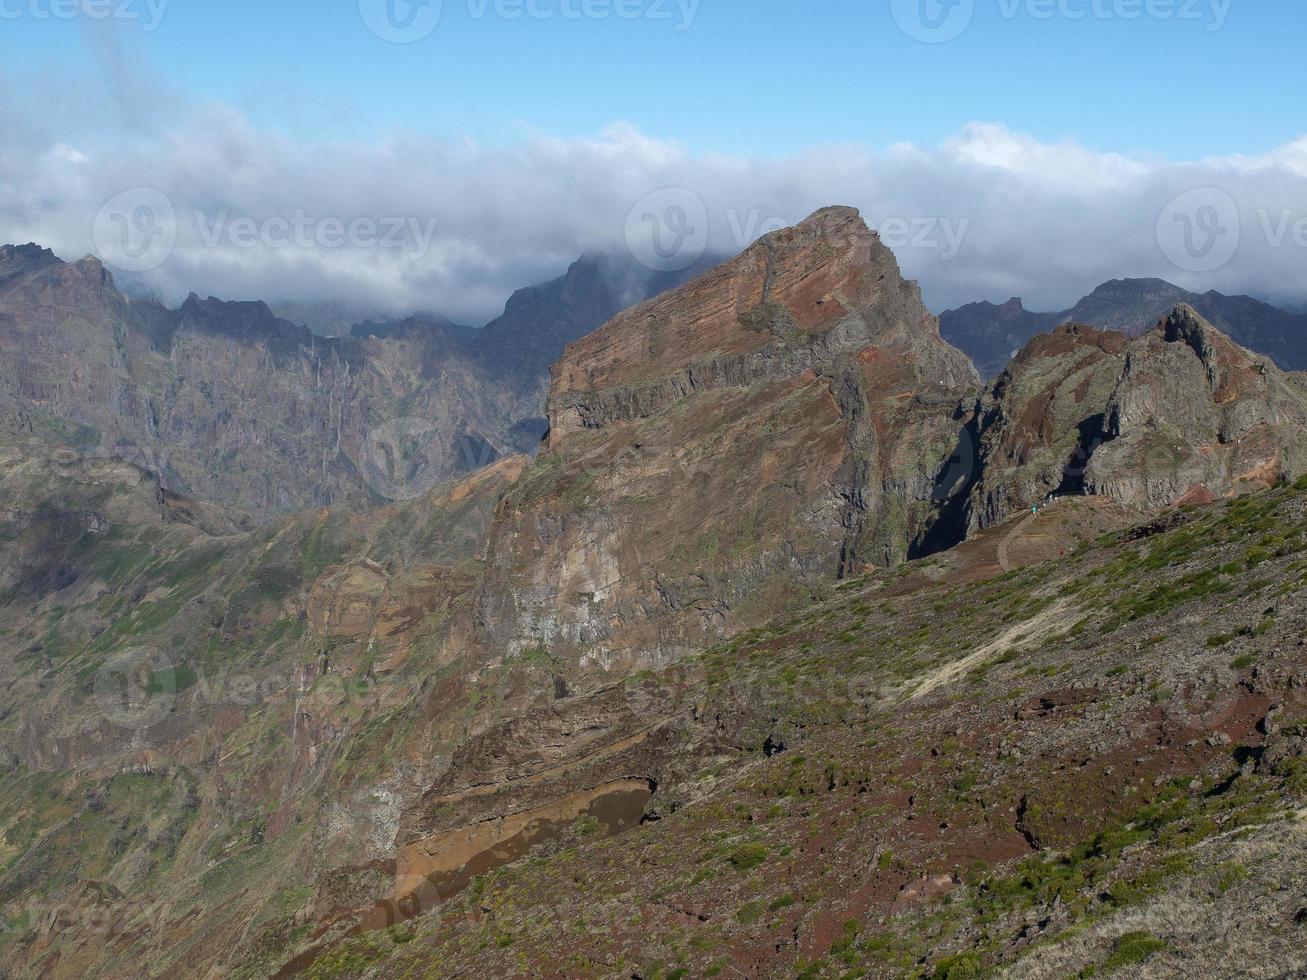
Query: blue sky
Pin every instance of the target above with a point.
(1031, 148)
(743, 76)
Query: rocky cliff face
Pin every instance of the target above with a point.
(1180, 414)
(1196, 416)
(778, 419)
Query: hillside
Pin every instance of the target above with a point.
(1074, 767)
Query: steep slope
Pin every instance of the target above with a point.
(194, 714)
(1073, 768)
(990, 334)
(1180, 414)
(776, 421)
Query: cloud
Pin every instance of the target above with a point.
(988, 214)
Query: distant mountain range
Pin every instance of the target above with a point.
(233, 404)
(992, 333)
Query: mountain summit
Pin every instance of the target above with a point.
(779, 418)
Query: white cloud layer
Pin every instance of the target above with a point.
(986, 215)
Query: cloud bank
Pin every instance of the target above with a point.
(410, 222)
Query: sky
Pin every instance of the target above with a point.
(438, 155)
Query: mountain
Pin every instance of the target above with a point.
(761, 665)
(230, 404)
(992, 334)
(1180, 414)
(777, 420)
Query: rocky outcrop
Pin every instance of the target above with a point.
(779, 419)
(1181, 414)
(1194, 413)
(1039, 423)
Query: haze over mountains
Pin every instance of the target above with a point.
(798, 648)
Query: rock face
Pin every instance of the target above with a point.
(990, 333)
(779, 418)
(229, 404)
(1195, 416)
(1038, 424)
(1180, 414)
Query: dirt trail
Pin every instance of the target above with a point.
(1017, 637)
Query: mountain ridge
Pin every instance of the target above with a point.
(992, 333)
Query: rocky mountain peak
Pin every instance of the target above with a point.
(799, 298)
(19, 259)
(1185, 325)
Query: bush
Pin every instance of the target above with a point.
(746, 857)
(960, 967)
(1132, 948)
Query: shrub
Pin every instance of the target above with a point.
(746, 857)
(1132, 948)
